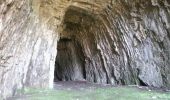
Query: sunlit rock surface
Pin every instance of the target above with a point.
(117, 42)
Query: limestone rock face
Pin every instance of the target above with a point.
(27, 47)
(120, 42)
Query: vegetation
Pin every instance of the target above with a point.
(113, 93)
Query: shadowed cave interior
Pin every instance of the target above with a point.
(77, 49)
(78, 57)
(69, 64)
(70, 59)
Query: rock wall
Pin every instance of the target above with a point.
(27, 47)
(119, 42)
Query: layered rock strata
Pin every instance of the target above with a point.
(120, 42)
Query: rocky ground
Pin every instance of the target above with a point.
(81, 90)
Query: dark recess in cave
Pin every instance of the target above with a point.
(70, 60)
(69, 65)
(141, 83)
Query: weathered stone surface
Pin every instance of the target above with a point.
(105, 41)
(27, 47)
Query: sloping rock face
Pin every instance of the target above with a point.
(118, 42)
(27, 47)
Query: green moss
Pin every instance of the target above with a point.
(114, 93)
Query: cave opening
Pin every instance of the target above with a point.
(141, 83)
(75, 46)
(69, 65)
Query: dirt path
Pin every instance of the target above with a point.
(78, 85)
(83, 85)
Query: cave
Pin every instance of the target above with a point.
(69, 65)
(108, 42)
(76, 40)
(85, 51)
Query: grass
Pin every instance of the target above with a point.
(114, 93)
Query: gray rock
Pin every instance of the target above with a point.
(119, 42)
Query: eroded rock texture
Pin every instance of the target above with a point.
(27, 47)
(118, 42)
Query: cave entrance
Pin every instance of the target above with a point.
(69, 65)
(76, 39)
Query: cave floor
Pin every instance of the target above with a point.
(81, 90)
